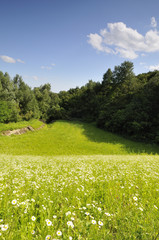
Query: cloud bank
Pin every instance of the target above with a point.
(121, 40)
(10, 59)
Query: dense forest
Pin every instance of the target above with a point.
(122, 102)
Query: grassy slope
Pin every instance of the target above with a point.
(71, 138)
(11, 126)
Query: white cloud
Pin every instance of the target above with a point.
(20, 61)
(153, 22)
(152, 68)
(10, 59)
(125, 41)
(7, 59)
(35, 78)
(48, 67)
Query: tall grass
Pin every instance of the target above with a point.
(79, 197)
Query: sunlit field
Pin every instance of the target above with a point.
(70, 138)
(84, 197)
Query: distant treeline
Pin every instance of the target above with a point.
(122, 102)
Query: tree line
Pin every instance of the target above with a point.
(121, 103)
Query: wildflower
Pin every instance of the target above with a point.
(100, 223)
(33, 218)
(14, 202)
(87, 213)
(59, 233)
(48, 237)
(108, 214)
(135, 198)
(32, 232)
(155, 207)
(70, 238)
(94, 222)
(99, 209)
(141, 209)
(70, 224)
(68, 213)
(54, 216)
(4, 227)
(49, 223)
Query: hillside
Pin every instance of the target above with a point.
(71, 138)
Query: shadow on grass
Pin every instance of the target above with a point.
(95, 134)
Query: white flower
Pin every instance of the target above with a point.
(135, 198)
(68, 213)
(87, 213)
(59, 233)
(49, 223)
(100, 223)
(108, 214)
(141, 209)
(48, 237)
(4, 227)
(32, 232)
(14, 202)
(70, 238)
(70, 224)
(99, 209)
(33, 218)
(155, 207)
(54, 216)
(94, 222)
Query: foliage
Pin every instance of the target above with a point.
(122, 103)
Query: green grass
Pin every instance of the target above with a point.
(71, 138)
(120, 193)
(11, 126)
(74, 179)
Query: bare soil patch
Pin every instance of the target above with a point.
(21, 130)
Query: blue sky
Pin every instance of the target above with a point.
(68, 42)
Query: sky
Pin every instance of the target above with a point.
(68, 42)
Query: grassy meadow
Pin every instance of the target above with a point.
(70, 180)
